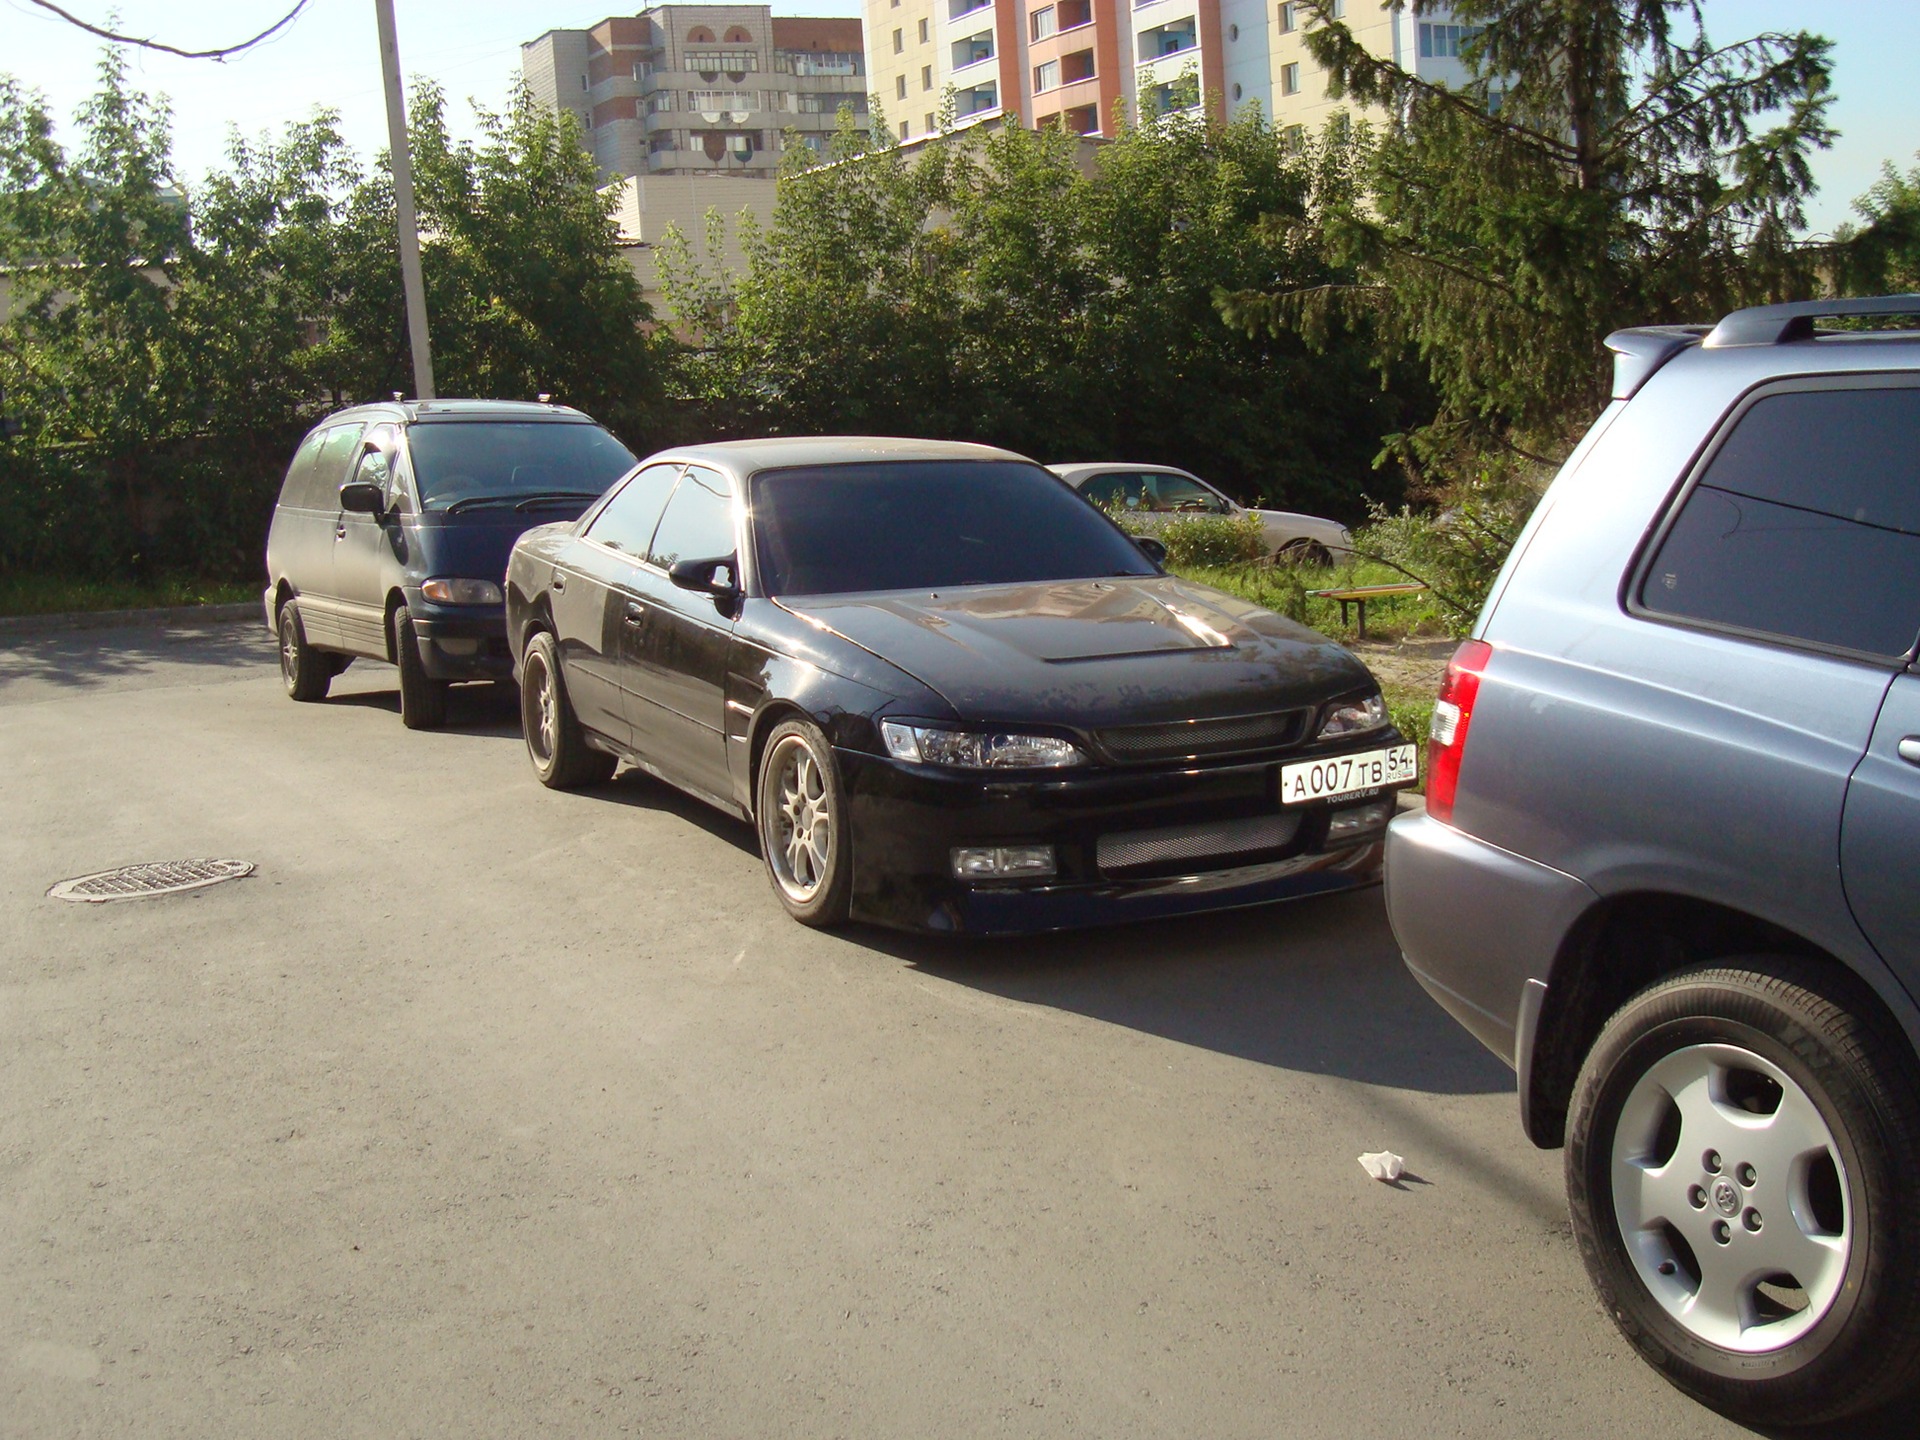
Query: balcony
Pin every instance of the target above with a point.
(1077, 66)
(1172, 38)
(976, 101)
(974, 50)
(958, 8)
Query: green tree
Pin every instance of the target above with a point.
(527, 290)
(1002, 286)
(1609, 166)
(1884, 255)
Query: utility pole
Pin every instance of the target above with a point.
(403, 203)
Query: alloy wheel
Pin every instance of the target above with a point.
(1731, 1197)
(800, 845)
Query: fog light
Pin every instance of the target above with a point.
(1358, 820)
(1003, 862)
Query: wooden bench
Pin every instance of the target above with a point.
(1360, 594)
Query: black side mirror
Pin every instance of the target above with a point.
(363, 497)
(1151, 548)
(717, 577)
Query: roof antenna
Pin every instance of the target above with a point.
(399, 395)
(546, 397)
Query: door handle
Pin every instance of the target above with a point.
(1910, 749)
(340, 531)
(636, 612)
(558, 583)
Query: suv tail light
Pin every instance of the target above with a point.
(1452, 715)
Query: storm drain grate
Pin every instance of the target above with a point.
(137, 882)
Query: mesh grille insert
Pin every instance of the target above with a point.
(162, 877)
(1203, 737)
(1141, 849)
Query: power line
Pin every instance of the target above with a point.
(220, 54)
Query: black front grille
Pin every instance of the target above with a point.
(1195, 847)
(1194, 739)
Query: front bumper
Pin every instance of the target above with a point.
(465, 644)
(907, 819)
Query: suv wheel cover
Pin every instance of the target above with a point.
(1740, 1226)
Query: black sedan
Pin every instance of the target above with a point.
(949, 693)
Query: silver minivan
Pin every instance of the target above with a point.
(1670, 862)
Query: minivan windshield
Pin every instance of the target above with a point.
(472, 463)
(928, 525)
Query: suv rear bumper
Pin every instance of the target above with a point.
(1479, 927)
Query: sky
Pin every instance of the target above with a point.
(330, 57)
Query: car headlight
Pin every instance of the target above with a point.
(462, 592)
(1353, 717)
(977, 749)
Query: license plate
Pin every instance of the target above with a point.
(1339, 776)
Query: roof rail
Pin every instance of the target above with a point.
(1637, 353)
(1781, 324)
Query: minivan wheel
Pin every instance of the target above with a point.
(305, 672)
(1304, 552)
(801, 814)
(561, 756)
(1742, 1159)
(423, 699)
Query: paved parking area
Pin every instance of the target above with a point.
(481, 1110)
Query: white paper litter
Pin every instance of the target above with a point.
(1383, 1165)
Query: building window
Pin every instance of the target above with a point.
(819, 62)
(899, 41)
(1046, 76)
(1339, 8)
(1290, 79)
(930, 126)
(1077, 66)
(1075, 13)
(711, 61)
(1443, 42)
(926, 77)
(1294, 138)
(923, 32)
(906, 130)
(711, 100)
(899, 87)
(1286, 18)
(1045, 22)
(1082, 119)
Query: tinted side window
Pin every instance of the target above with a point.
(298, 490)
(1805, 525)
(627, 522)
(330, 465)
(698, 524)
(1107, 491)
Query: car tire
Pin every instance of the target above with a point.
(555, 742)
(800, 812)
(1304, 552)
(305, 671)
(1693, 1212)
(423, 699)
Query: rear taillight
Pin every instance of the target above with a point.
(1452, 715)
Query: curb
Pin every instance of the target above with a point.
(24, 625)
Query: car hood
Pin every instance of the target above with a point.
(1093, 652)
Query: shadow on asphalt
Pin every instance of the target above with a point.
(81, 659)
(1315, 985)
(487, 709)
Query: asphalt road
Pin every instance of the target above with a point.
(481, 1110)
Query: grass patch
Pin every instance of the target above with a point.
(59, 595)
(1283, 589)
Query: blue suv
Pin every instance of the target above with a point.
(1670, 862)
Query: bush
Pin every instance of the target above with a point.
(1213, 540)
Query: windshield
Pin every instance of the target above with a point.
(928, 525)
(480, 461)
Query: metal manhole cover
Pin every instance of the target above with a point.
(137, 882)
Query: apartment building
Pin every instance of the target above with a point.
(1074, 61)
(700, 89)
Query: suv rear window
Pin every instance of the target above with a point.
(1805, 525)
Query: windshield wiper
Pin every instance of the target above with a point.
(522, 500)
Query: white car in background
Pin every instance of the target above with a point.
(1156, 494)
